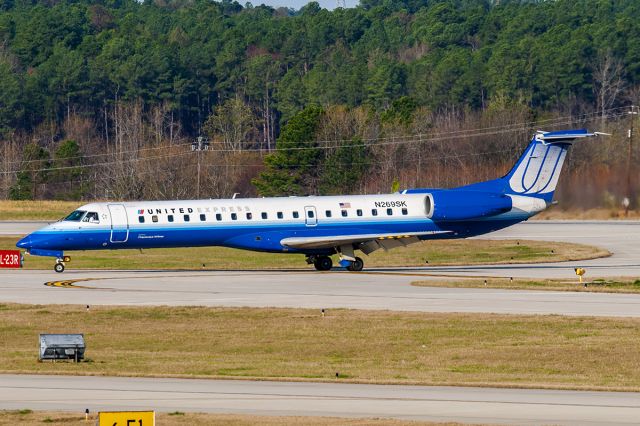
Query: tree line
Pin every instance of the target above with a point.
(101, 99)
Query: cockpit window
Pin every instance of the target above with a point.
(75, 216)
(91, 217)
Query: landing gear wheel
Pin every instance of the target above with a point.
(323, 263)
(356, 265)
(59, 267)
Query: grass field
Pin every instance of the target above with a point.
(426, 253)
(28, 417)
(362, 346)
(598, 285)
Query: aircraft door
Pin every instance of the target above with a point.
(119, 223)
(310, 216)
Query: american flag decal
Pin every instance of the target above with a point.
(345, 205)
(140, 211)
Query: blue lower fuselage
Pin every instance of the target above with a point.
(249, 237)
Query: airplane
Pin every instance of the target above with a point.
(317, 226)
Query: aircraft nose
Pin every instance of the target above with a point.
(24, 243)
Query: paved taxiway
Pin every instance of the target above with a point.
(472, 405)
(302, 289)
(376, 289)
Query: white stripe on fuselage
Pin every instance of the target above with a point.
(241, 207)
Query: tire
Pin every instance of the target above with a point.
(323, 263)
(356, 265)
(59, 267)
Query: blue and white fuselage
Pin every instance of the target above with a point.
(317, 226)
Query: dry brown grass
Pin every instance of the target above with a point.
(452, 252)
(30, 418)
(36, 210)
(362, 346)
(598, 285)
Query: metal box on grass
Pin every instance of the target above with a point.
(62, 346)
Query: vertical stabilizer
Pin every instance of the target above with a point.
(537, 171)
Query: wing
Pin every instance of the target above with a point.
(368, 243)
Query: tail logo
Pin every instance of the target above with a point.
(539, 170)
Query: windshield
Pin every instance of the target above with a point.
(75, 216)
(91, 217)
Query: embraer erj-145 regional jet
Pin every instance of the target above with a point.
(317, 226)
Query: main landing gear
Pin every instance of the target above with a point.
(324, 263)
(356, 265)
(59, 266)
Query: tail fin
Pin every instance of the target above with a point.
(537, 171)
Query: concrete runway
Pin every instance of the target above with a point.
(469, 405)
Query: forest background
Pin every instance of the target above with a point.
(103, 99)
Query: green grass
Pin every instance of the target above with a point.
(602, 285)
(362, 346)
(453, 252)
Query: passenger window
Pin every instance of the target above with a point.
(310, 213)
(280, 215)
(170, 218)
(187, 218)
(218, 216)
(374, 212)
(249, 216)
(327, 213)
(234, 216)
(154, 219)
(405, 211)
(296, 215)
(389, 212)
(359, 212)
(344, 213)
(141, 219)
(203, 217)
(264, 215)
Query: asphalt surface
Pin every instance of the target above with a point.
(469, 405)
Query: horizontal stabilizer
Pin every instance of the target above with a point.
(563, 136)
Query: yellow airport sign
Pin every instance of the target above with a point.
(126, 418)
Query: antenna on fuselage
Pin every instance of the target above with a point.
(235, 194)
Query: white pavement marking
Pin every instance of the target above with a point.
(473, 405)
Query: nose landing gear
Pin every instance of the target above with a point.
(59, 266)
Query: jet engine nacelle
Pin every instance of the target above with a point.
(465, 205)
